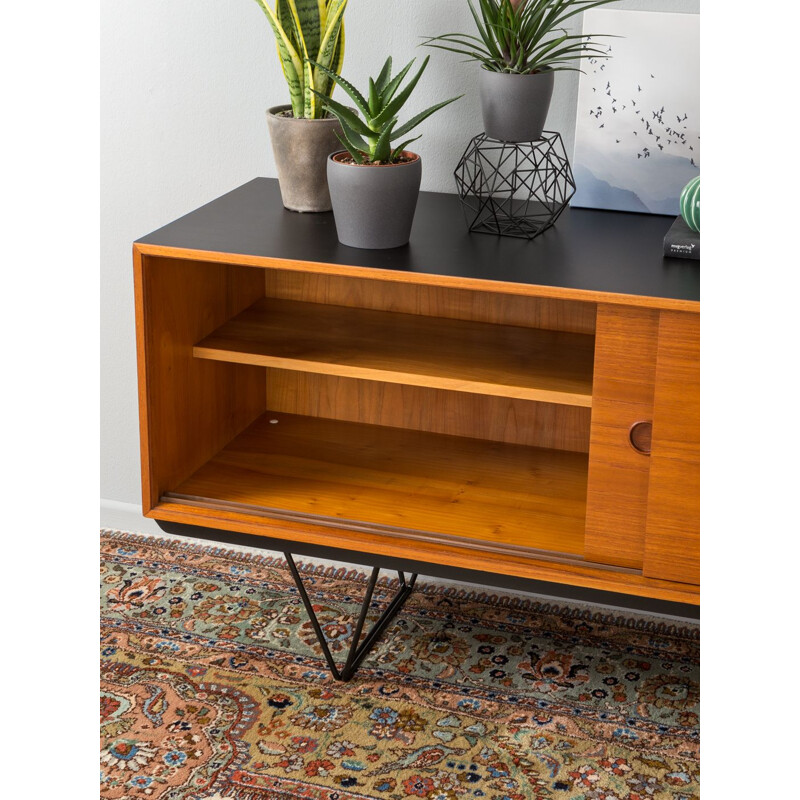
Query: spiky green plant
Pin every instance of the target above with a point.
(523, 36)
(304, 30)
(370, 140)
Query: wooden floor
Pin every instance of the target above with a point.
(393, 479)
(477, 357)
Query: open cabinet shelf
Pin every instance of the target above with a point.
(398, 482)
(480, 358)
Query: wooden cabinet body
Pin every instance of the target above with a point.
(458, 419)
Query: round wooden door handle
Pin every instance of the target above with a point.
(641, 436)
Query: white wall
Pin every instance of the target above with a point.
(185, 87)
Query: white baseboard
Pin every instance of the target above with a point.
(126, 517)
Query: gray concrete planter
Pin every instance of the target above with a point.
(515, 107)
(373, 206)
(301, 148)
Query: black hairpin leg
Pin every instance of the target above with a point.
(357, 651)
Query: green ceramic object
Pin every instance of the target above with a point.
(690, 204)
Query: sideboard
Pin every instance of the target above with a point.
(525, 409)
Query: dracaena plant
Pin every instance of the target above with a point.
(304, 30)
(371, 140)
(523, 36)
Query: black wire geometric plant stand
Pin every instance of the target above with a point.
(516, 189)
(358, 649)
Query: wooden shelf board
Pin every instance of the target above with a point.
(476, 357)
(424, 486)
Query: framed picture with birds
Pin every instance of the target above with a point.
(637, 134)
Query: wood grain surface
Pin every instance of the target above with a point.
(527, 566)
(433, 301)
(497, 419)
(624, 376)
(501, 360)
(188, 408)
(398, 479)
(672, 542)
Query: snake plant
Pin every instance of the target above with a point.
(523, 36)
(304, 30)
(370, 140)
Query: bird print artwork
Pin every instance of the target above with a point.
(612, 166)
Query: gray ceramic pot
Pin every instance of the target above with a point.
(515, 107)
(373, 206)
(301, 148)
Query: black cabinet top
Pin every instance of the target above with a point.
(586, 250)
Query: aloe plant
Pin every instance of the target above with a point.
(524, 36)
(370, 140)
(305, 30)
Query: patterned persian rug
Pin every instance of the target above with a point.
(213, 687)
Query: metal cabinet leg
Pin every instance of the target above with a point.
(358, 649)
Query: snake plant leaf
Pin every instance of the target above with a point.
(331, 52)
(309, 98)
(397, 102)
(323, 83)
(334, 30)
(423, 115)
(284, 14)
(304, 29)
(384, 76)
(309, 105)
(284, 43)
(338, 57)
(292, 81)
(361, 103)
(290, 60)
(297, 32)
(307, 16)
(344, 114)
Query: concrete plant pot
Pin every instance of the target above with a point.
(374, 204)
(301, 148)
(515, 107)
